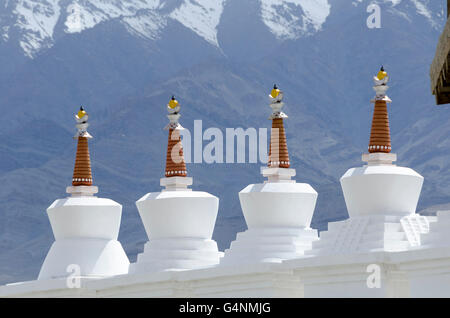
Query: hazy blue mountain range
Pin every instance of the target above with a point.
(122, 60)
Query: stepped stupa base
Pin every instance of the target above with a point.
(362, 234)
(177, 254)
(269, 245)
(438, 234)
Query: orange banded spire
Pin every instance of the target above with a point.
(175, 164)
(380, 138)
(278, 151)
(82, 173)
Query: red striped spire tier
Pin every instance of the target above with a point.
(176, 172)
(279, 163)
(82, 173)
(380, 137)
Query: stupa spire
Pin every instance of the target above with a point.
(380, 138)
(278, 151)
(175, 164)
(82, 173)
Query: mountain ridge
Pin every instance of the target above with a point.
(37, 21)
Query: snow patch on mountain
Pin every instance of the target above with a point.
(423, 10)
(146, 25)
(83, 14)
(201, 16)
(37, 18)
(5, 33)
(394, 2)
(289, 19)
(430, 9)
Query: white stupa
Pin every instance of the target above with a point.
(85, 227)
(278, 212)
(179, 222)
(381, 197)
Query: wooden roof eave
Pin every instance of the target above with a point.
(439, 70)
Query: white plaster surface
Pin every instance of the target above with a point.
(171, 214)
(381, 190)
(86, 230)
(278, 204)
(179, 225)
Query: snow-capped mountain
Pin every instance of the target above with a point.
(289, 19)
(123, 59)
(39, 20)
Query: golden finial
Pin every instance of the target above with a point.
(81, 112)
(275, 91)
(382, 74)
(82, 123)
(173, 103)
